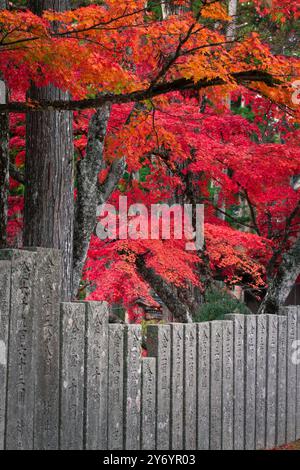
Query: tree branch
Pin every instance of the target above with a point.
(277, 253)
(139, 95)
(115, 173)
(283, 281)
(167, 294)
(16, 174)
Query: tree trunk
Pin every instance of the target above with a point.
(170, 7)
(168, 295)
(283, 282)
(232, 11)
(4, 162)
(89, 194)
(49, 195)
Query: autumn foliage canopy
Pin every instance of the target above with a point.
(217, 125)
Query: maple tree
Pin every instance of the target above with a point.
(159, 84)
(272, 216)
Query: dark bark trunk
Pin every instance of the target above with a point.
(37, 7)
(170, 7)
(49, 196)
(4, 164)
(283, 282)
(168, 295)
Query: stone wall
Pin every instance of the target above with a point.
(70, 380)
